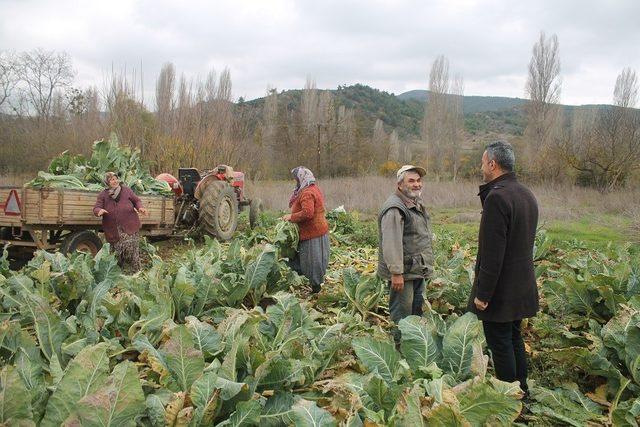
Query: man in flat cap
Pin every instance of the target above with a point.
(405, 255)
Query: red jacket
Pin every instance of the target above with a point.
(120, 213)
(308, 212)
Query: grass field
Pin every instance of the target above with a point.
(566, 212)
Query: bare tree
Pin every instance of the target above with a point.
(457, 124)
(8, 76)
(441, 126)
(327, 127)
(310, 105)
(347, 143)
(394, 147)
(543, 83)
(309, 138)
(270, 126)
(605, 147)
(126, 114)
(165, 95)
(41, 74)
(379, 142)
(625, 93)
(543, 113)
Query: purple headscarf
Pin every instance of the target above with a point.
(304, 178)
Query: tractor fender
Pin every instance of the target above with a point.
(203, 184)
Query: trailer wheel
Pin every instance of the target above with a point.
(83, 241)
(255, 207)
(5, 233)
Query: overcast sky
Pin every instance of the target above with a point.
(389, 45)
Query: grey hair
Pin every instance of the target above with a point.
(502, 153)
(401, 177)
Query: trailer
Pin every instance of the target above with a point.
(62, 219)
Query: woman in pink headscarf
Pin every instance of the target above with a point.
(307, 210)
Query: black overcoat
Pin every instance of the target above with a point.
(504, 272)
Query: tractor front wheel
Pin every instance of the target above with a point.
(219, 210)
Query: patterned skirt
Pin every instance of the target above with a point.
(127, 250)
(312, 260)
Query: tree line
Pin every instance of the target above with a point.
(196, 123)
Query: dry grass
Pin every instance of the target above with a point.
(557, 202)
(366, 194)
(634, 214)
(16, 179)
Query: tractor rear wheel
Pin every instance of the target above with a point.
(255, 207)
(219, 210)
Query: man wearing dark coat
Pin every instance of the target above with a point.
(504, 290)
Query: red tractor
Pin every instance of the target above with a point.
(211, 200)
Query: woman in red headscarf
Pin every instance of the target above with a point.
(308, 212)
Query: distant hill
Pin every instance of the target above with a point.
(404, 113)
(471, 104)
(483, 115)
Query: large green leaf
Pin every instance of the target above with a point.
(30, 366)
(383, 396)
(246, 414)
(410, 408)
(258, 270)
(627, 414)
(591, 362)
(436, 388)
(15, 400)
(205, 336)
(286, 239)
(482, 405)
(580, 296)
(457, 345)
(205, 395)
(82, 377)
(117, 402)
(228, 369)
(565, 405)
(48, 324)
(378, 356)
(282, 374)
(183, 290)
(307, 414)
(446, 416)
(154, 313)
(277, 409)
(106, 265)
(203, 389)
(184, 361)
(155, 410)
(362, 291)
(231, 389)
(207, 284)
(419, 343)
(632, 347)
(554, 296)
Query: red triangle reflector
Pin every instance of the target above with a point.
(12, 205)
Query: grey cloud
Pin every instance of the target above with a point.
(386, 44)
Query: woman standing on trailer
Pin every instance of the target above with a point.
(118, 206)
